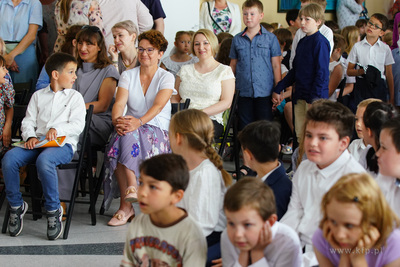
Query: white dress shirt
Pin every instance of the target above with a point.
(391, 190)
(310, 183)
(64, 111)
(378, 55)
(284, 250)
(356, 148)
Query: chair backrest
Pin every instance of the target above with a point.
(22, 92)
(19, 115)
(175, 107)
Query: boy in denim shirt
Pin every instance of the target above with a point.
(255, 60)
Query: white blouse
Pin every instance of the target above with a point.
(203, 89)
(138, 104)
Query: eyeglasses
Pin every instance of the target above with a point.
(374, 26)
(149, 50)
(91, 28)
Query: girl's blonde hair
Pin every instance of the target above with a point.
(198, 129)
(351, 35)
(3, 47)
(210, 36)
(362, 190)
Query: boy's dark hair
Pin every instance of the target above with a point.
(361, 22)
(339, 42)
(58, 61)
(170, 168)
(291, 15)
(261, 138)
(333, 113)
(333, 26)
(224, 50)
(375, 115)
(382, 19)
(251, 192)
(284, 37)
(393, 126)
(253, 3)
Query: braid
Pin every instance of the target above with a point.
(217, 161)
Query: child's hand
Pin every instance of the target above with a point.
(51, 134)
(364, 245)
(276, 99)
(265, 237)
(326, 230)
(30, 144)
(217, 263)
(112, 50)
(6, 137)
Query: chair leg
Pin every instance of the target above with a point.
(2, 197)
(5, 221)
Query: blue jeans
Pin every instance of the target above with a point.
(46, 160)
(254, 109)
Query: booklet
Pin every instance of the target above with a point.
(43, 142)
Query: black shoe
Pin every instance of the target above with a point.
(16, 223)
(54, 224)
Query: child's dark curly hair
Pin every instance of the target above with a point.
(155, 38)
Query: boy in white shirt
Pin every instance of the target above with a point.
(327, 132)
(253, 236)
(371, 61)
(163, 234)
(52, 112)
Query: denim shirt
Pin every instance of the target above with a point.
(254, 74)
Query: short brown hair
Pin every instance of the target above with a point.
(333, 113)
(155, 38)
(313, 11)
(253, 3)
(251, 192)
(284, 38)
(339, 42)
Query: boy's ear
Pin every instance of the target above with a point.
(344, 143)
(249, 155)
(319, 22)
(272, 219)
(55, 74)
(177, 196)
(179, 138)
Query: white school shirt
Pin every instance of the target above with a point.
(64, 111)
(284, 250)
(324, 30)
(310, 183)
(378, 55)
(391, 191)
(204, 197)
(356, 148)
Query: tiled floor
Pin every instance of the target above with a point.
(87, 245)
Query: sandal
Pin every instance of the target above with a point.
(131, 194)
(120, 218)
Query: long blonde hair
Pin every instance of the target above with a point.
(362, 190)
(351, 35)
(197, 127)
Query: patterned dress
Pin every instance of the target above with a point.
(223, 18)
(7, 94)
(82, 12)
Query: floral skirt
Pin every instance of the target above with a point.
(131, 150)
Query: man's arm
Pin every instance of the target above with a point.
(144, 19)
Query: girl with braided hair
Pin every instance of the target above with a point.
(191, 134)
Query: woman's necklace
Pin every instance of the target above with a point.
(129, 63)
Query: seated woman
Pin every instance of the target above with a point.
(209, 84)
(143, 132)
(124, 34)
(96, 81)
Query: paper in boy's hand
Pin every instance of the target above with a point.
(43, 142)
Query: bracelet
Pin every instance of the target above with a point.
(141, 122)
(115, 62)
